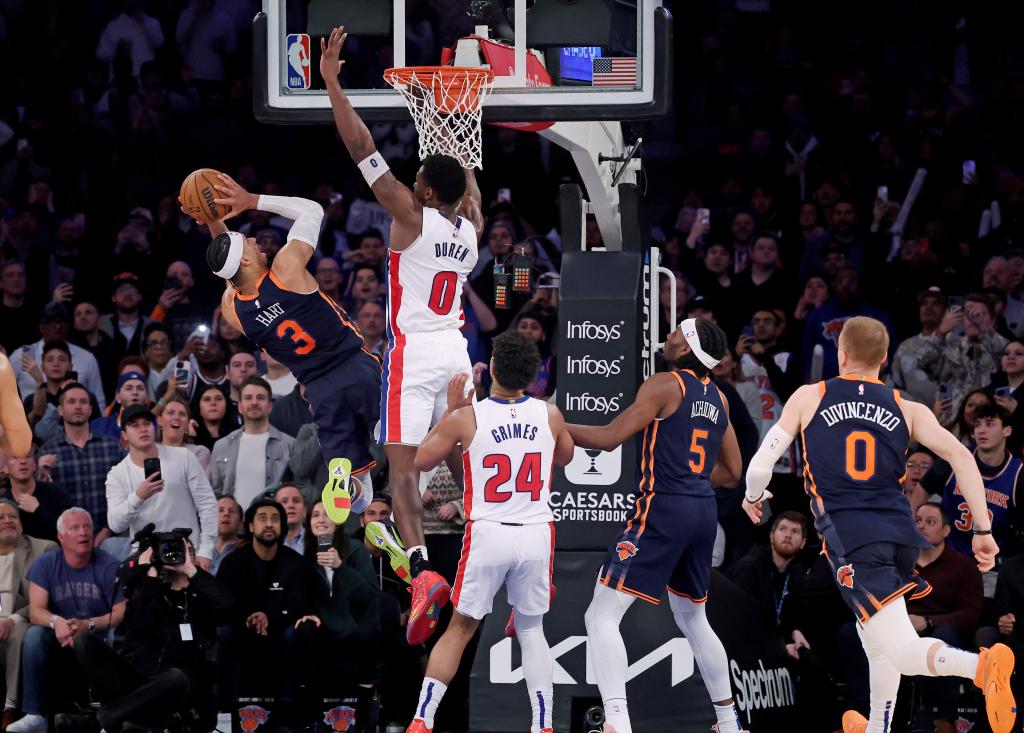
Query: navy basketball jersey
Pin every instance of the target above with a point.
(1000, 488)
(307, 332)
(854, 465)
(679, 451)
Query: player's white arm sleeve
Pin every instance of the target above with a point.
(759, 472)
(306, 214)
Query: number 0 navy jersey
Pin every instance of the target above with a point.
(854, 465)
(679, 451)
(307, 332)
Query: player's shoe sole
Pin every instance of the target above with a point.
(854, 722)
(386, 538)
(995, 667)
(429, 595)
(336, 497)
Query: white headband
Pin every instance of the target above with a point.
(689, 327)
(234, 259)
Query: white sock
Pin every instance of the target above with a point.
(728, 719)
(422, 549)
(953, 662)
(537, 668)
(10, 704)
(430, 697)
(616, 715)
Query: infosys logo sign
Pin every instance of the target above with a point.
(588, 366)
(587, 402)
(590, 331)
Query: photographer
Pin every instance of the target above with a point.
(161, 666)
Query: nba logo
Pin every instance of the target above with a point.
(298, 61)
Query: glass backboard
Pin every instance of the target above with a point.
(552, 59)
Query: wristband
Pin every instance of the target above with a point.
(92, 625)
(982, 532)
(53, 621)
(373, 167)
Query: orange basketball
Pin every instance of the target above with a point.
(198, 193)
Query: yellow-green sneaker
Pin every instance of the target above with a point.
(384, 536)
(336, 497)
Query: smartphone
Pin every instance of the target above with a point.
(882, 193)
(151, 466)
(748, 331)
(71, 375)
(955, 301)
(504, 194)
(202, 331)
(324, 543)
(704, 216)
(182, 372)
(970, 171)
(944, 392)
(172, 283)
(1003, 392)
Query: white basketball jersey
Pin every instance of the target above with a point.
(425, 281)
(508, 464)
(771, 405)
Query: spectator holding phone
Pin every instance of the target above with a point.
(175, 309)
(916, 379)
(160, 484)
(1007, 389)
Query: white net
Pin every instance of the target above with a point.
(446, 105)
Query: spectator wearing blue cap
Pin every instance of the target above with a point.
(131, 390)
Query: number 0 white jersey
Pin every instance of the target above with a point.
(425, 281)
(508, 464)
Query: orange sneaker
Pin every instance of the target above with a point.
(854, 722)
(418, 726)
(548, 730)
(995, 666)
(429, 595)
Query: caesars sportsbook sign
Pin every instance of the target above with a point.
(599, 338)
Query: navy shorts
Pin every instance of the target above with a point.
(667, 544)
(346, 408)
(871, 576)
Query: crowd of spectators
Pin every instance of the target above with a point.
(799, 136)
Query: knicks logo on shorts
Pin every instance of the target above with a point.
(625, 550)
(844, 576)
(252, 717)
(340, 718)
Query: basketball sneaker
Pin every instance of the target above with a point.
(429, 595)
(717, 729)
(995, 666)
(418, 726)
(854, 722)
(384, 536)
(336, 497)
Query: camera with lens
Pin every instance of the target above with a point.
(168, 547)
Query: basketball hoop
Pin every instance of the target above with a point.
(446, 104)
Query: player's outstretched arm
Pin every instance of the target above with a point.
(392, 194)
(457, 425)
(471, 205)
(15, 433)
(564, 446)
(658, 392)
(926, 430)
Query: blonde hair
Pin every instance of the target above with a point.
(865, 340)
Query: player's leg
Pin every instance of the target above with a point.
(608, 653)
(529, 593)
(441, 668)
(885, 686)
(688, 593)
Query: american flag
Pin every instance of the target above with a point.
(615, 71)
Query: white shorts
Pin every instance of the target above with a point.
(520, 557)
(414, 392)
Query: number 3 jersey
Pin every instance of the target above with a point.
(1001, 495)
(425, 280)
(508, 463)
(307, 332)
(854, 465)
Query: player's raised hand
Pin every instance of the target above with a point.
(756, 510)
(458, 396)
(234, 196)
(985, 551)
(330, 54)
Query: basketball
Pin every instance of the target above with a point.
(198, 193)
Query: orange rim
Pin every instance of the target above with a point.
(472, 74)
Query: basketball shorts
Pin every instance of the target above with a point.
(345, 409)
(667, 544)
(414, 394)
(872, 575)
(520, 556)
